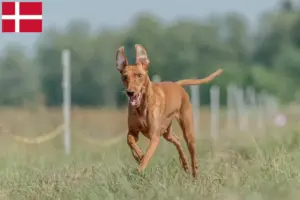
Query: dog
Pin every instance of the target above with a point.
(153, 106)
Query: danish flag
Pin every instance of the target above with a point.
(22, 17)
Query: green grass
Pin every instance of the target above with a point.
(237, 166)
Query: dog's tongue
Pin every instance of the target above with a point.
(134, 100)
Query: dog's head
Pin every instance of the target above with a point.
(135, 77)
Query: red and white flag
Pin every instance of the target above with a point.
(22, 17)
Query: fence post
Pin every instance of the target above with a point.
(156, 78)
(242, 110)
(66, 98)
(230, 110)
(214, 107)
(195, 99)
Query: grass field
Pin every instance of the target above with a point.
(237, 166)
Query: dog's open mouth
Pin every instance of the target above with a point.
(135, 100)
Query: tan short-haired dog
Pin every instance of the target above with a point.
(153, 106)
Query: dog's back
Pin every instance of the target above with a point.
(174, 96)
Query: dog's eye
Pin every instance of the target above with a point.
(139, 75)
(124, 78)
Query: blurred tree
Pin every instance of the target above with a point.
(287, 5)
(18, 83)
(266, 57)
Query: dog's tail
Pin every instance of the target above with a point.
(200, 81)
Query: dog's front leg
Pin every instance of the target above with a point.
(154, 141)
(132, 139)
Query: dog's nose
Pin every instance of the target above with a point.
(129, 93)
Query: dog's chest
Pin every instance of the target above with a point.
(138, 123)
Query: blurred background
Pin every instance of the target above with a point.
(246, 120)
(257, 43)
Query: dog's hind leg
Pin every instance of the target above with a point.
(186, 123)
(171, 137)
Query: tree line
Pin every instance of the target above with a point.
(266, 57)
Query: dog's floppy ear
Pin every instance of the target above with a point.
(141, 55)
(121, 59)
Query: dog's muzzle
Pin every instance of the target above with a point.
(135, 100)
